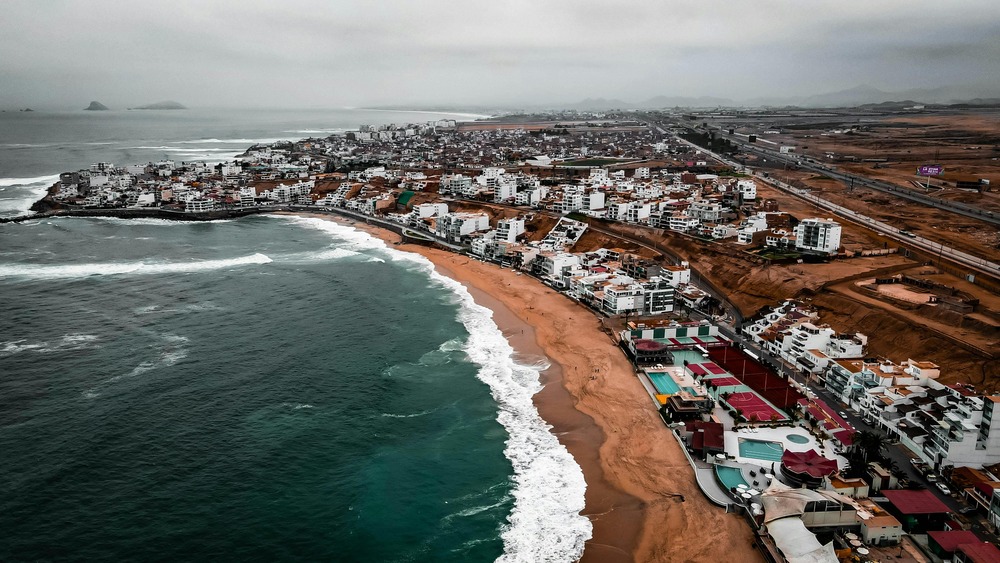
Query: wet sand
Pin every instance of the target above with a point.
(641, 493)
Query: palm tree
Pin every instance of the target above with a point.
(868, 446)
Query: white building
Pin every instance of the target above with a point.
(453, 226)
(747, 189)
(425, 210)
(509, 229)
(199, 205)
(818, 235)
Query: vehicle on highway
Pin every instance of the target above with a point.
(944, 488)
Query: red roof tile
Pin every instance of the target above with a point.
(949, 541)
(916, 502)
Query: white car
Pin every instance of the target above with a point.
(943, 487)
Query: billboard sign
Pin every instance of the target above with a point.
(930, 170)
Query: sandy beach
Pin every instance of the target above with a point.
(641, 494)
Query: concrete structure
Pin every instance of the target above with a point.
(821, 236)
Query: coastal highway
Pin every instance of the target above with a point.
(947, 253)
(848, 178)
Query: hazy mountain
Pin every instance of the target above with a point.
(96, 106)
(867, 95)
(161, 105)
(685, 101)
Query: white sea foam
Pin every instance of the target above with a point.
(413, 415)
(167, 148)
(452, 345)
(47, 180)
(146, 221)
(65, 343)
(63, 271)
(192, 308)
(545, 523)
(234, 141)
(170, 352)
(334, 254)
(351, 238)
(24, 192)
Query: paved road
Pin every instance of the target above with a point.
(896, 452)
(946, 253)
(879, 185)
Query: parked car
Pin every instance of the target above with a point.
(944, 488)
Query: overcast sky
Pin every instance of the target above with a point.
(303, 53)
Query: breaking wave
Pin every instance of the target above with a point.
(65, 343)
(234, 141)
(170, 351)
(545, 523)
(18, 194)
(64, 271)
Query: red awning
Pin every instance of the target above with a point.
(808, 462)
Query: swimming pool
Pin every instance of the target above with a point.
(761, 449)
(730, 477)
(664, 383)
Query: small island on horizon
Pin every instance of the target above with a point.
(96, 106)
(161, 105)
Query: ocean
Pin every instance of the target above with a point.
(268, 388)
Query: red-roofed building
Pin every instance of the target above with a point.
(945, 544)
(981, 552)
(806, 468)
(705, 438)
(918, 510)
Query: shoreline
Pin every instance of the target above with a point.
(642, 498)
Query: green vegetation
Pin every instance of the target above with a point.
(777, 254)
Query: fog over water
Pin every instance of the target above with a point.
(311, 53)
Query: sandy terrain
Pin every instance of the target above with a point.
(642, 497)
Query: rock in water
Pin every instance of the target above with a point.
(96, 106)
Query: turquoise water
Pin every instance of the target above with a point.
(691, 356)
(761, 449)
(664, 383)
(797, 439)
(730, 477)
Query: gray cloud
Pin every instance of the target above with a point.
(319, 53)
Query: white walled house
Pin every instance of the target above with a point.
(453, 226)
(747, 189)
(426, 210)
(818, 235)
(508, 229)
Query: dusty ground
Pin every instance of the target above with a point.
(965, 346)
(965, 143)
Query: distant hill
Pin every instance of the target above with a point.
(96, 106)
(161, 105)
